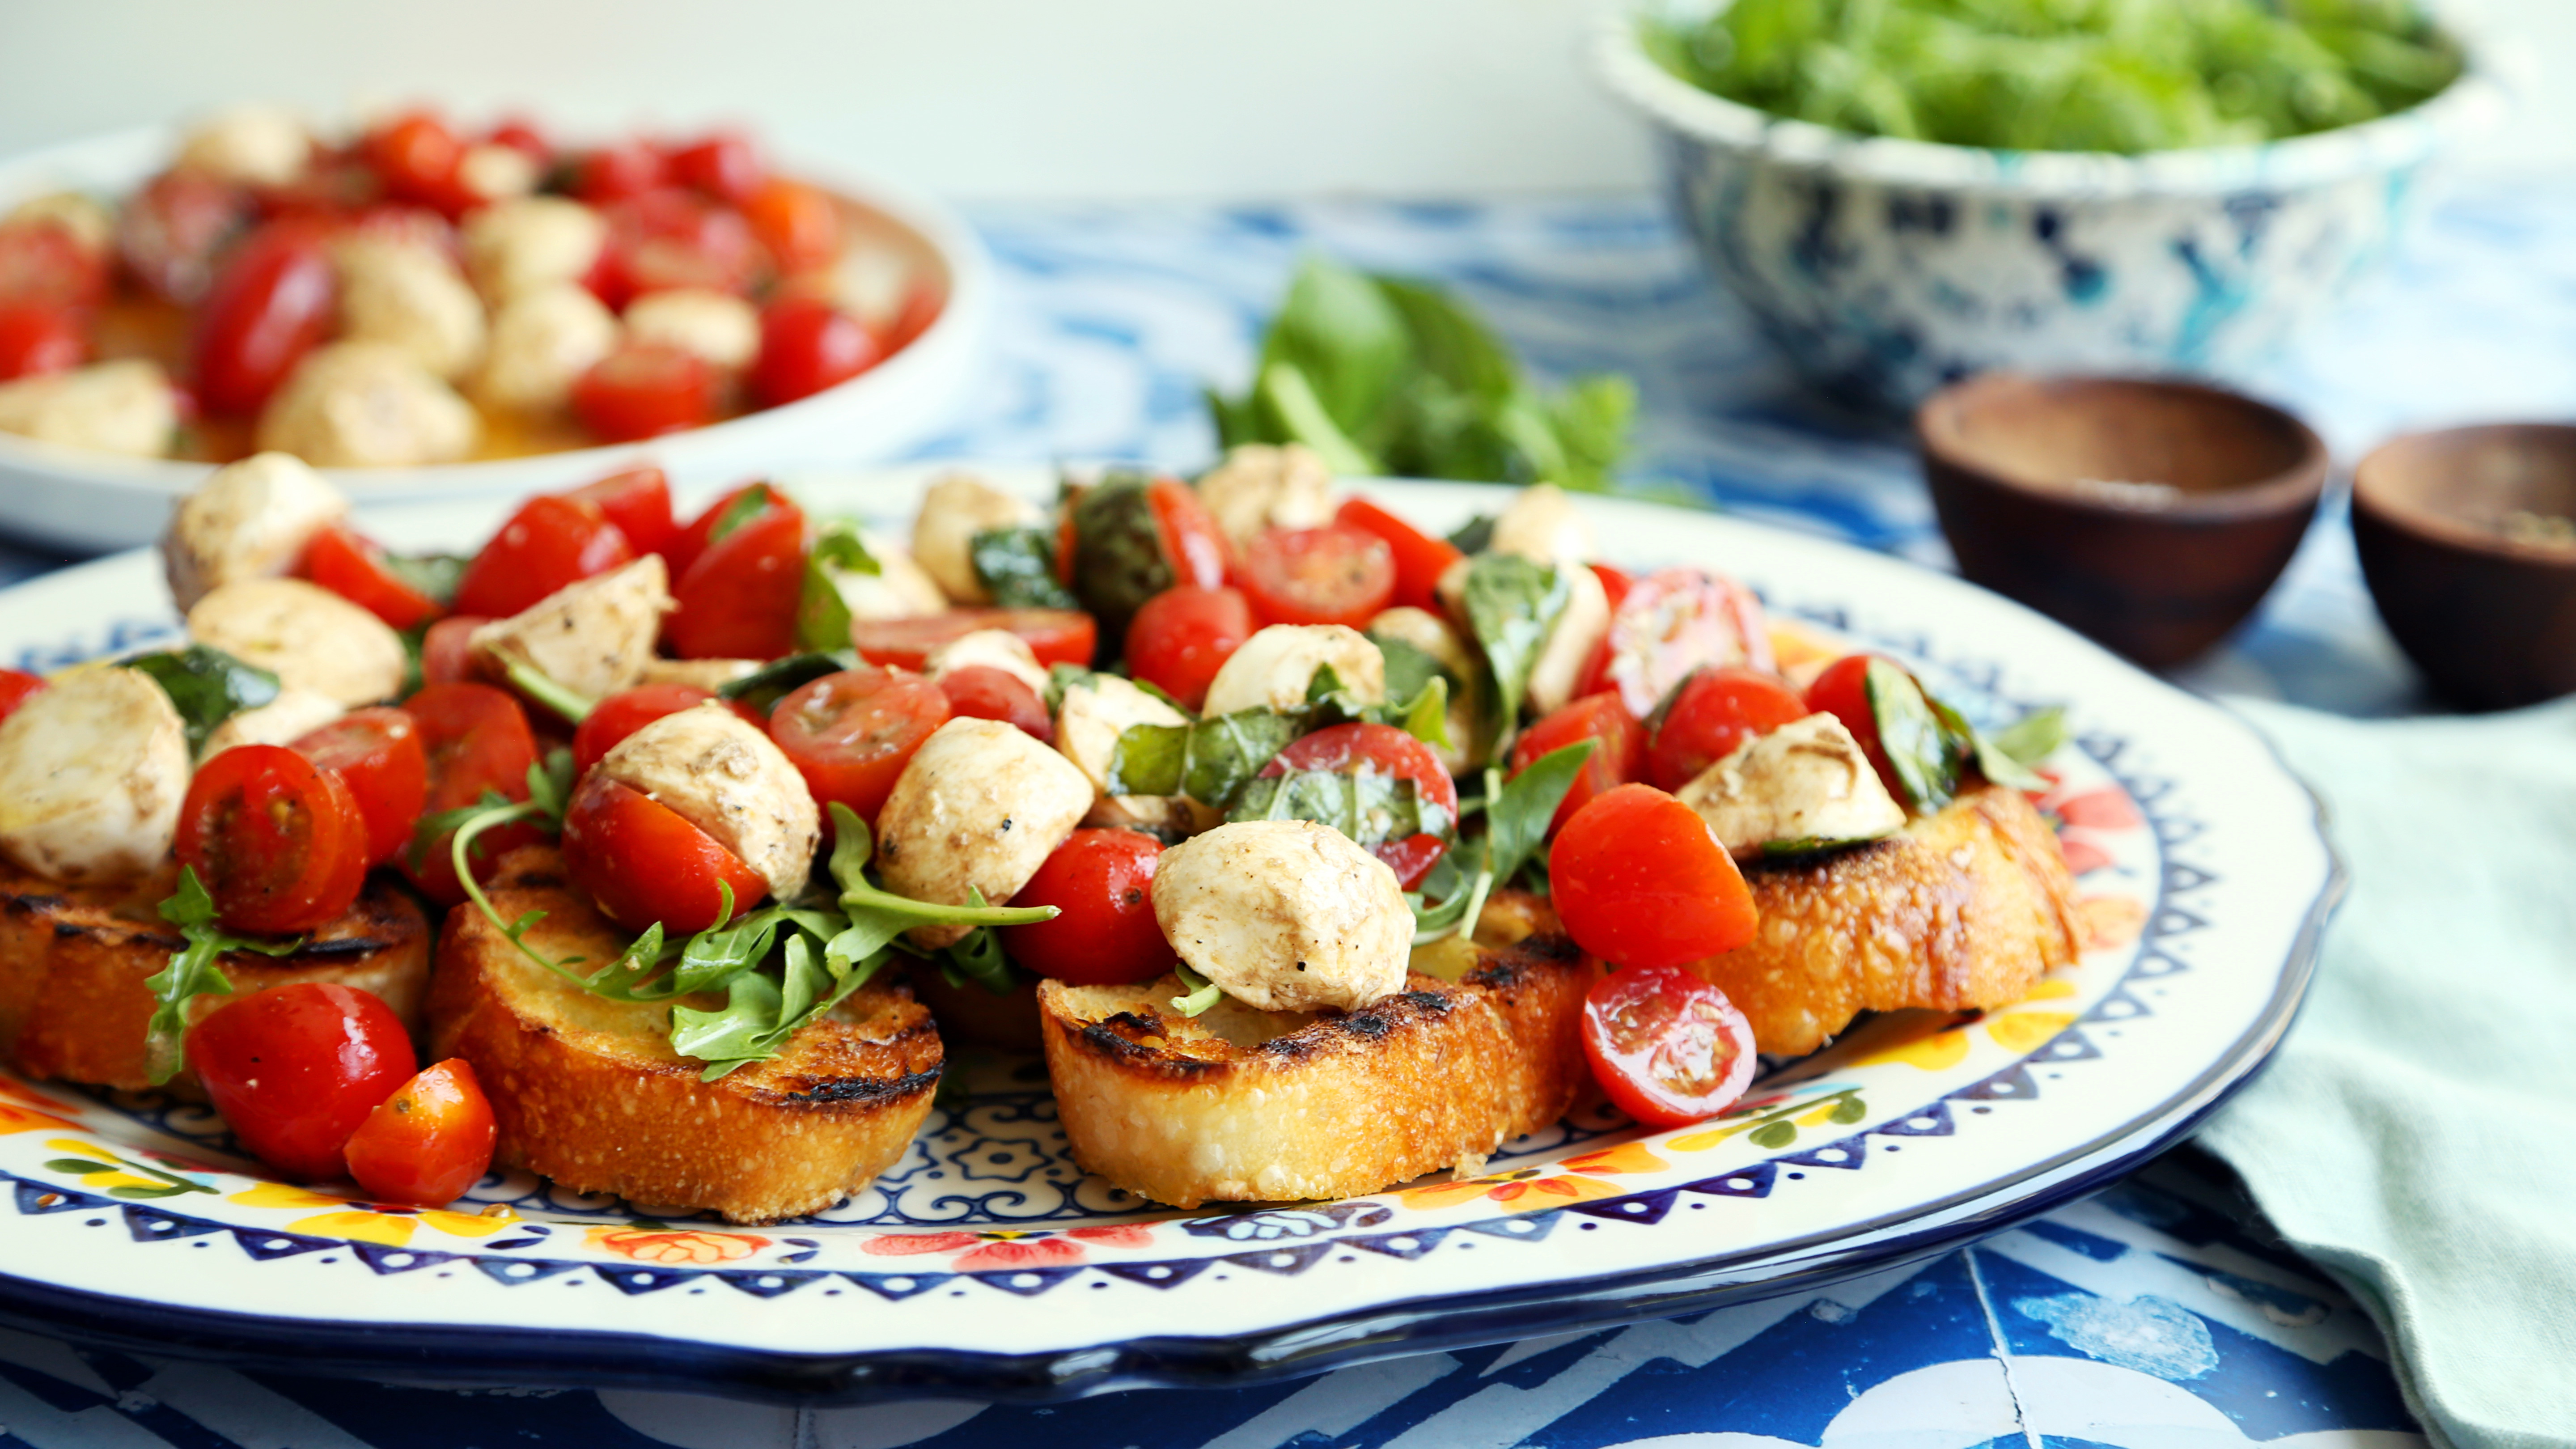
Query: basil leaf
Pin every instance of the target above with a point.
(1475, 535)
(193, 972)
(1018, 566)
(1512, 606)
(1453, 344)
(1520, 811)
(1118, 559)
(1807, 845)
(771, 682)
(1461, 896)
(206, 686)
(1409, 667)
(1061, 677)
(1341, 333)
(1426, 718)
(1288, 399)
(1917, 747)
(746, 506)
(1323, 684)
(1150, 760)
(2034, 737)
(822, 615)
(433, 574)
(1369, 807)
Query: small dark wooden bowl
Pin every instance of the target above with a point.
(2491, 621)
(2159, 575)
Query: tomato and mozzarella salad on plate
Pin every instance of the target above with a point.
(1186, 767)
(420, 291)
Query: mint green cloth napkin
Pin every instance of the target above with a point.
(2416, 1135)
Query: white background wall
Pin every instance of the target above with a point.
(981, 98)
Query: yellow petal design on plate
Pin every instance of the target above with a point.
(383, 1228)
(280, 1195)
(470, 1225)
(1936, 1053)
(2051, 989)
(2021, 1031)
(1626, 1157)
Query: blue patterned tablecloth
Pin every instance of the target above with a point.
(2158, 1315)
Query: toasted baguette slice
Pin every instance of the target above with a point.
(1242, 1105)
(1966, 907)
(588, 1092)
(73, 960)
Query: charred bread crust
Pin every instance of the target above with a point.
(1242, 1105)
(588, 1092)
(1965, 908)
(73, 960)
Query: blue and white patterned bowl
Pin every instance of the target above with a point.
(1886, 268)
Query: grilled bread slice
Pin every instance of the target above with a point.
(1242, 1105)
(1965, 907)
(73, 960)
(588, 1092)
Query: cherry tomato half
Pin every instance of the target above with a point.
(1615, 761)
(1055, 636)
(739, 599)
(1378, 748)
(643, 390)
(615, 173)
(1420, 559)
(169, 236)
(273, 301)
(37, 338)
(807, 345)
(1329, 575)
(693, 540)
(1639, 880)
(279, 844)
(1411, 858)
(294, 1069)
(1666, 1046)
(980, 691)
(638, 501)
(1714, 711)
(850, 734)
(428, 1142)
(378, 755)
(350, 564)
(799, 224)
(550, 542)
(723, 164)
(477, 739)
(15, 686)
(1183, 636)
(1672, 622)
(1102, 883)
(623, 713)
(447, 650)
(645, 862)
(1843, 692)
(1192, 542)
(416, 156)
(667, 239)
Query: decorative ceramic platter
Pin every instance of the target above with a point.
(985, 1263)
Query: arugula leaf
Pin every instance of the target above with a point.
(1521, 808)
(977, 957)
(536, 684)
(724, 1039)
(822, 615)
(1461, 896)
(850, 850)
(1918, 748)
(1201, 992)
(433, 574)
(774, 681)
(1512, 606)
(206, 685)
(193, 972)
(1018, 566)
(745, 507)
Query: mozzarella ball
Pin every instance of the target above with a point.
(530, 244)
(496, 172)
(980, 807)
(1807, 780)
(306, 635)
(943, 533)
(291, 716)
(897, 590)
(256, 144)
(92, 770)
(1558, 670)
(707, 674)
(719, 328)
(248, 520)
(1541, 525)
(1275, 666)
(115, 407)
(542, 342)
(368, 405)
(592, 636)
(1095, 712)
(988, 649)
(724, 776)
(1259, 487)
(410, 297)
(1285, 915)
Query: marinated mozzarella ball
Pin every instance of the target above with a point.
(542, 342)
(1260, 487)
(593, 636)
(1095, 712)
(367, 405)
(724, 776)
(988, 649)
(719, 328)
(707, 674)
(496, 172)
(1558, 670)
(1274, 667)
(259, 145)
(1285, 915)
(530, 244)
(248, 520)
(291, 716)
(411, 297)
(1542, 526)
(92, 771)
(980, 807)
(80, 216)
(897, 590)
(306, 635)
(1432, 635)
(1807, 780)
(115, 407)
(943, 533)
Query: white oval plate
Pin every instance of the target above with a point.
(79, 498)
(985, 1264)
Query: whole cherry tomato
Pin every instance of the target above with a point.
(1183, 636)
(428, 1142)
(1843, 692)
(1411, 858)
(272, 302)
(723, 164)
(1420, 559)
(1714, 711)
(807, 345)
(416, 155)
(550, 542)
(670, 238)
(615, 173)
(645, 862)
(1672, 622)
(15, 686)
(1666, 1046)
(521, 135)
(1191, 540)
(44, 264)
(295, 1069)
(643, 390)
(350, 564)
(732, 511)
(1101, 883)
(850, 734)
(38, 338)
(278, 843)
(1616, 760)
(1639, 881)
(1055, 636)
(477, 739)
(1330, 575)
(170, 234)
(739, 599)
(447, 650)
(1372, 749)
(378, 755)
(621, 714)
(799, 224)
(980, 691)
(638, 501)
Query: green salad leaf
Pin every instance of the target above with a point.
(433, 574)
(194, 971)
(206, 686)
(1923, 753)
(822, 615)
(1018, 566)
(774, 681)
(1512, 606)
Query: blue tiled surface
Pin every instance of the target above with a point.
(2154, 1315)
